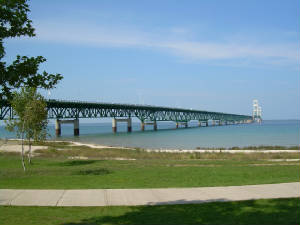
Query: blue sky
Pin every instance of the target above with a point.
(209, 54)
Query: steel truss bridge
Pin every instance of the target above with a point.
(62, 110)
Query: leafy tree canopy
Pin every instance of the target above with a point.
(22, 72)
(31, 110)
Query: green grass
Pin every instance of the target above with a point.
(62, 173)
(273, 211)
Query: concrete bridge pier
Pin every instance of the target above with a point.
(76, 127)
(57, 128)
(143, 124)
(185, 124)
(203, 121)
(154, 125)
(59, 122)
(220, 123)
(115, 123)
(213, 123)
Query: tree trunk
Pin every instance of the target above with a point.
(29, 153)
(22, 153)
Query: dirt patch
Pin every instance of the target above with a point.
(18, 148)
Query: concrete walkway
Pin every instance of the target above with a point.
(110, 197)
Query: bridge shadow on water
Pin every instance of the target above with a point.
(275, 211)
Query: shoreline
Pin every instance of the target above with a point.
(96, 146)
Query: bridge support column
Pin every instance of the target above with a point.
(206, 123)
(220, 123)
(115, 123)
(142, 126)
(213, 123)
(57, 128)
(199, 124)
(129, 126)
(185, 124)
(76, 127)
(144, 123)
(154, 125)
(59, 122)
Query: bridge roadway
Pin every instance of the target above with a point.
(71, 111)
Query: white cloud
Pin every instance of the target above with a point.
(195, 51)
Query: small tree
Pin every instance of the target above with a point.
(31, 122)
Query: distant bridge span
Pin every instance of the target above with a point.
(71, 111)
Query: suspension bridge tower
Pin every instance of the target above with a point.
(256, 113)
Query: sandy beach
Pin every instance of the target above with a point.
(13, 147)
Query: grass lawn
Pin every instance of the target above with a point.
(273, 211)
(61, 173)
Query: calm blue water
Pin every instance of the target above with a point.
(276, 132)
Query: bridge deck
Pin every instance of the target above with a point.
(71, 109)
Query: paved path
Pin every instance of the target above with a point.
(108, 197)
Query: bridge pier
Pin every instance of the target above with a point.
(142, 126)
(59, 122)
(203, 121)
(154, 123)
(185, 124)
(115, 123)
(57, 128)
(213, 123)
(76, 127)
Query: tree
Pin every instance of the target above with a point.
(30, 108)
(22, 72)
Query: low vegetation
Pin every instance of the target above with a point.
(260, 147)
(77, 167)
(65, 166)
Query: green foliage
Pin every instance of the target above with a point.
(14, 22)
(30, 108)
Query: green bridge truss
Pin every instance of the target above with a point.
(71, 109)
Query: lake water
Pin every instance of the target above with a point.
(269, 132)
